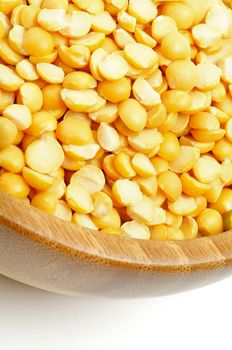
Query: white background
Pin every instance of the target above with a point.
(31, 319)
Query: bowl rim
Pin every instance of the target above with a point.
(181, 256)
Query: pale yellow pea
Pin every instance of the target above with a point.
(95, 59)
(140, 55)
(84, 220)
(41, 182)
(63, 211)
(9, 79)
(113, 67)
(176, 100)
(8, 132)
(204, 121)
(162, 26)
(143, 10)
(16, 15)
(208, 76)
(158, 232)
(52, 20)
(222, 149)
(28, 15)
(12, 159)
(159, 164)
(206, 36)
(180, 126)
(31, 96)
(143, 38)
(7, 99)
(145, 212)
(26, 70)
(189, 227)
(119, 4)
(74, 131)
(226, 174)
(20, 115)
(92, 6)
(7, 54)
(224, 202)
(123, 165)
(90, 177)
(169, 122)
(108, 137)
(75, 56)
(77, 24)
(133, 114)
(16, 39)
(220, 18)
(109, 45)
(103, 22)
(210, 222)
(112, 220)
(79, 81)
(79, 100)
(170, 184)
(186, 159)
(4, 25)
(107, 114)
(156, 116)
(79, 199)
(192, 187)
(207, 169)
(145, 94)
(220, 115)
(181, 13)
(225, 65)
(147, 185)
(173, 220)
(146, 140)
(135, 229)
(126, 21)
(184, 205)
(83, 152)
(219, 93)
(109, 168)
(213, 194)
(44, 155)
(41, 122)
(174, 233)
(200, 100)
(50, 73)
(175, 46)
(72, 164)
(225, 105)
(103, 204)
(142, 165)
(122, 37)
(126, 192)
(182, 75)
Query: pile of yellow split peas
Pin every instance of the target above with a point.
(117, 115)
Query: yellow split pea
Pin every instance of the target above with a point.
(116, 115)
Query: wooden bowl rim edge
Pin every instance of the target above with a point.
(169, 256)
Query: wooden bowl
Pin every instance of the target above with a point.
(46, 252)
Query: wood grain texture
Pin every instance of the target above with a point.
(198, 254)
